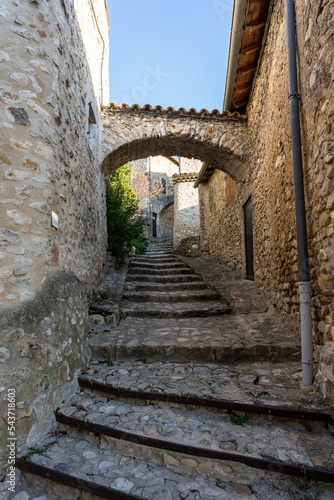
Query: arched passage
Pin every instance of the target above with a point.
(221, 140)
(133, 133)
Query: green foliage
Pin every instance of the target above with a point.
(220, 484)
(36, 451)
(140, 243)
(108, 362)
(237, 419)
(124, 221)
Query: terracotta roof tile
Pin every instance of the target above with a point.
(147, 108)
(184, 177)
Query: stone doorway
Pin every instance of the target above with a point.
(154, 224)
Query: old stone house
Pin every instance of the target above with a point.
(251, 225)
(168, 199)
(57, 148)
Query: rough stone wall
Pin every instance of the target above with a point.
(221, 225)
(166, 222)
(189, 247)
(49, 163)
(186, 208)
(42, 349)
(275, 242)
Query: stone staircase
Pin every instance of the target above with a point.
(183, 406)
(191, 298)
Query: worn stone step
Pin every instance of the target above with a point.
(160, 272)
(156, 260)
(157, 253)
(228, 338)
(161, 246)
(308, 444)
(174, 278)
(175, 310)
(171, 296)
(165, 287)
(143, 258)
(98, 461)
(265, 384)
(158, 265)
(175, 479)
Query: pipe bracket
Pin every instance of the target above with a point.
(295, 95)
(305, 362)
(305, 301)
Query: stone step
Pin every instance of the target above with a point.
(267, 384)
(143, 258)
(165, 287)
(84, 457)
(158, 265)
(175, 310)
(160, 272)
(308, 444)
(156, 253)
(159, 247)
(171, 296)
(174, 278)
(228, 339)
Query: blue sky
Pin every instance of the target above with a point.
(169, 52)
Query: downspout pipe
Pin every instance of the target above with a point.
(180, 165)
(304, 273)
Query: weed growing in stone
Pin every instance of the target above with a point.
(35, 451)
(108, 362)
(237, 419)
(219, 484)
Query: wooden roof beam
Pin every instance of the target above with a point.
(243, 90)
(256, 47)
(242, 85)
(255, 25)
(170, 158)
(241, 102)
(247, 69)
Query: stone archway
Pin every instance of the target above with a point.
(133, 133)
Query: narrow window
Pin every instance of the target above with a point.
(231, 190)
(92, 129)
(163, 186)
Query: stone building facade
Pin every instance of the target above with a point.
(186, 213)
(54, 79)
(221, 232)
(270, 178)
(170, 207)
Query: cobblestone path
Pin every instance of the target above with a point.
(194, 395)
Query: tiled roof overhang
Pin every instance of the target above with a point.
(204, 174)
(170, 111)
(252, 40)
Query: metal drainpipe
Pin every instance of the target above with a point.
(304, 274)
(180, 165)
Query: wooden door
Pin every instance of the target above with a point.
(154, 225)
(248, 218)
